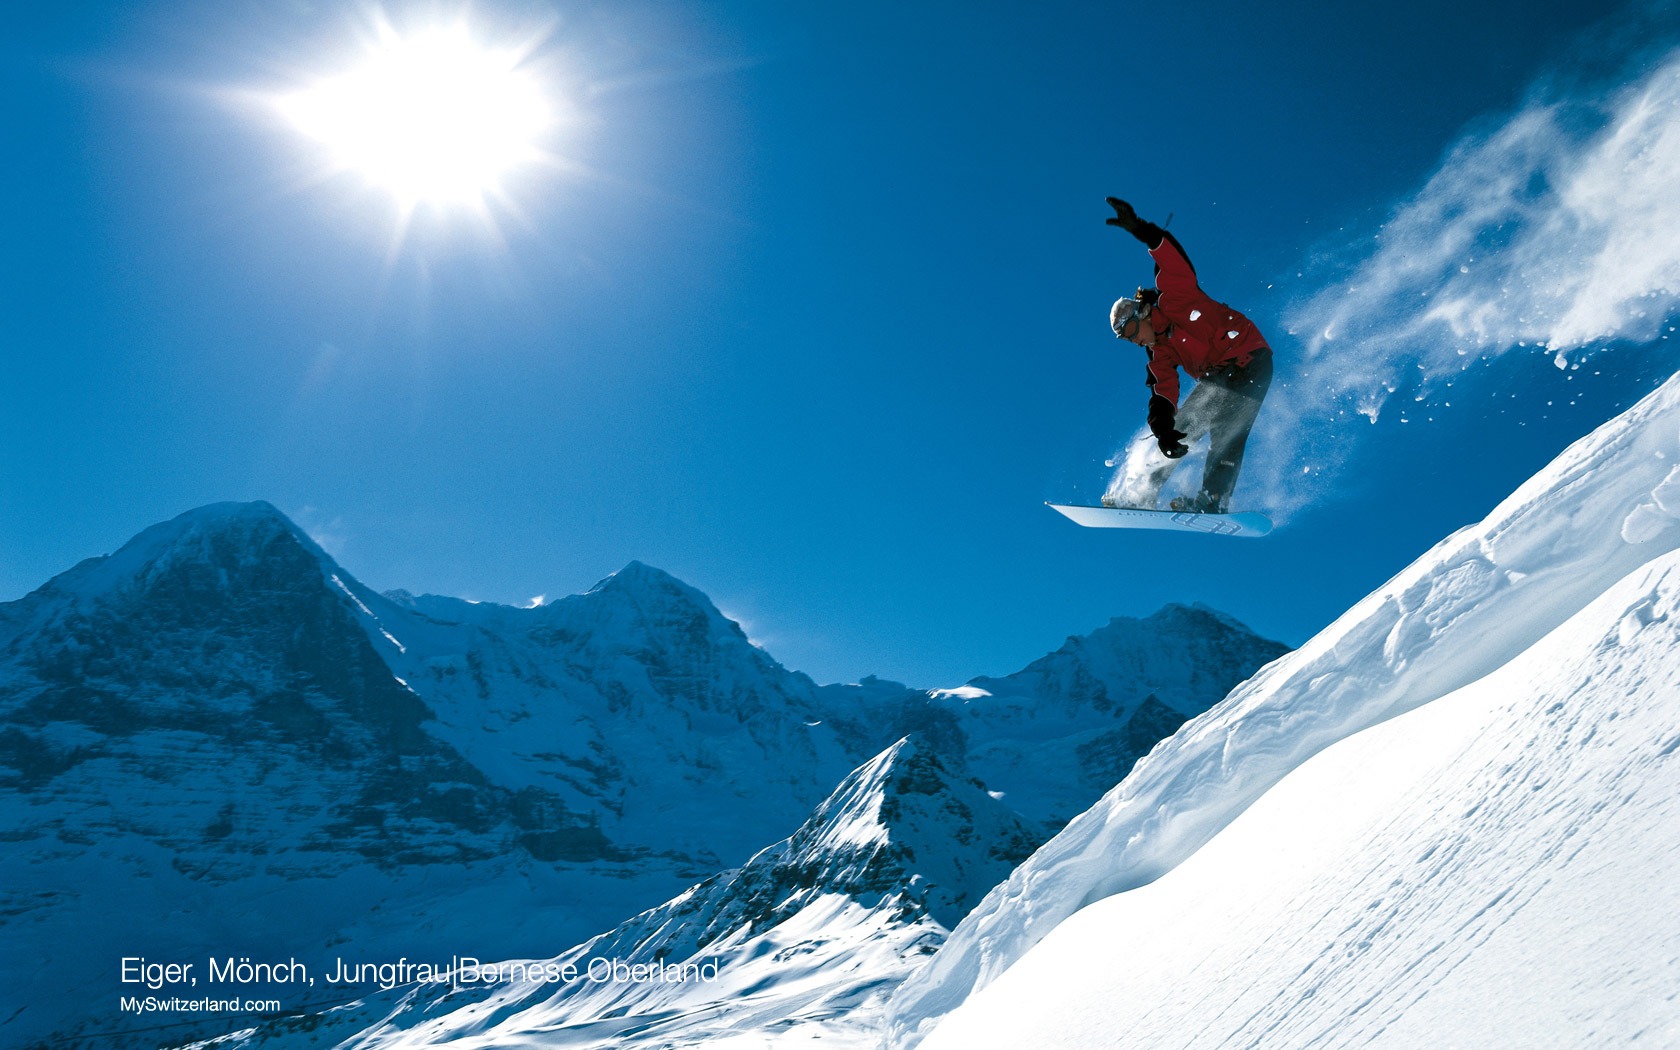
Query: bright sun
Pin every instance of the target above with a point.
(432, 117)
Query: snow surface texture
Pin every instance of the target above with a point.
(1472, 604)
(1498, 868)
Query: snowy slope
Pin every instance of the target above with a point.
(807, 939)
(1499, 868)
(1605, 507)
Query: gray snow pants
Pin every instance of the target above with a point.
(1223, 406)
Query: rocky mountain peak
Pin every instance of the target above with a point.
(642, 593)
(222, 547)
(668, 628)
(905, 821)
(1187, 654)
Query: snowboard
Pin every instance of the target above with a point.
(1246, 523)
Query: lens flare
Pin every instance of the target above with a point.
(432, 117)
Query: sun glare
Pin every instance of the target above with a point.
(431, 117)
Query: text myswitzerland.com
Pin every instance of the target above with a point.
(153, 1004)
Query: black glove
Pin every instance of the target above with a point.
(1162, 416)
(1127, 219)
(1124, 215)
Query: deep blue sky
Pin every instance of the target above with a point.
(815, 319)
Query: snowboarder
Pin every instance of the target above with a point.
(1181, 327)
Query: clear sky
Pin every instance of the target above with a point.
(808, 303)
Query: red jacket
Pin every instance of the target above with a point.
(1200, 334)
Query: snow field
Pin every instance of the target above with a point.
(1500, 868)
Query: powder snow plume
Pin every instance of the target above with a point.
(1556, 232)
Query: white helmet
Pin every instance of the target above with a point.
(1124, 310)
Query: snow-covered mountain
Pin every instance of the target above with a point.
(207, 750)
(1062, 731)
(216, 740)
(1495, 868)
(806, 940)
(637, 703)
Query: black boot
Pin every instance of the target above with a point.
(1201, 503)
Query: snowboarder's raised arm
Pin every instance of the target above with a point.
(1174, 272)
(1127, 219)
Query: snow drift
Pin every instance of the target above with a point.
(1496, 868)
(1608, 505)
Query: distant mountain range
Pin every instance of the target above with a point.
(217, 741)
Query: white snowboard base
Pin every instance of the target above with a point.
(1247, 523)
